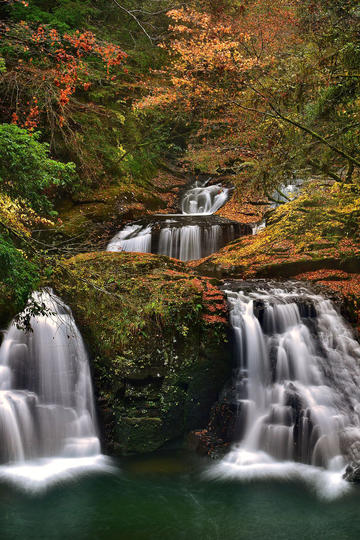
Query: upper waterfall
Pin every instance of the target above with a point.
(46, 397)
(296, 386)
(204, 199)
(192, 235)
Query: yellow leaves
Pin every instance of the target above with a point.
(19, 217)
(180, 29)
(191, 16)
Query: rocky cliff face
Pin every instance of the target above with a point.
(158, 341)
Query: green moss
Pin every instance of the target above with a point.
(158, 338)
(104, 207)
(320, 229)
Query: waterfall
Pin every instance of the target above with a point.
(204, 199)
(183, 243)
(180, 238)
(188, 242)
(135, 238)
(47, 417)
(187, 236)
(258, 227)
(296, 386)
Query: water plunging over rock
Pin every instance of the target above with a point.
(192, 235)
(47, 416)
(204, 199)
(182, 237)
(295, 394)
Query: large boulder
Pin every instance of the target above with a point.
(158, 341)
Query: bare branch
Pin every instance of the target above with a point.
(131, 14)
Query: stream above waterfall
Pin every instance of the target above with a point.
(204, 199)
(286, 192)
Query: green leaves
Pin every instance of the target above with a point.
(26, 171)
(19, 276)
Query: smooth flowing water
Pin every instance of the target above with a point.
(47, 416)
(296, 388)
(194, 234)
(177, 237)
(203, 199)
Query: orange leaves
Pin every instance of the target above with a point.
(112, 56)
(204, 51)
(83, 42)
(65, 61)
(65, 94)
(216, 61)
(32, 119)
(39, 36)
(54, 36)
(190, 16)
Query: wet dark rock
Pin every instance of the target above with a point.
(352, 473)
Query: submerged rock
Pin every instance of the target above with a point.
(156, 334)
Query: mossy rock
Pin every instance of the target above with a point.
(158, 339)
(318, 230)
(104, 210)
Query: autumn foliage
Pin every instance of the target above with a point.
(216, 62)
(59, 65)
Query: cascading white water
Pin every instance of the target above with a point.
(297, 387)
(47, 416)
(181, 239)
(190, 242)
(257, 227)
(132, 238)
(204, 199)
(186, 242)
(183, 243)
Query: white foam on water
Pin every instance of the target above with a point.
(39, 475)
(258, 466)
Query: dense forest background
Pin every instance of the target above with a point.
(98, 96)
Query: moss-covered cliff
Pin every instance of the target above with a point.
(158, 342)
